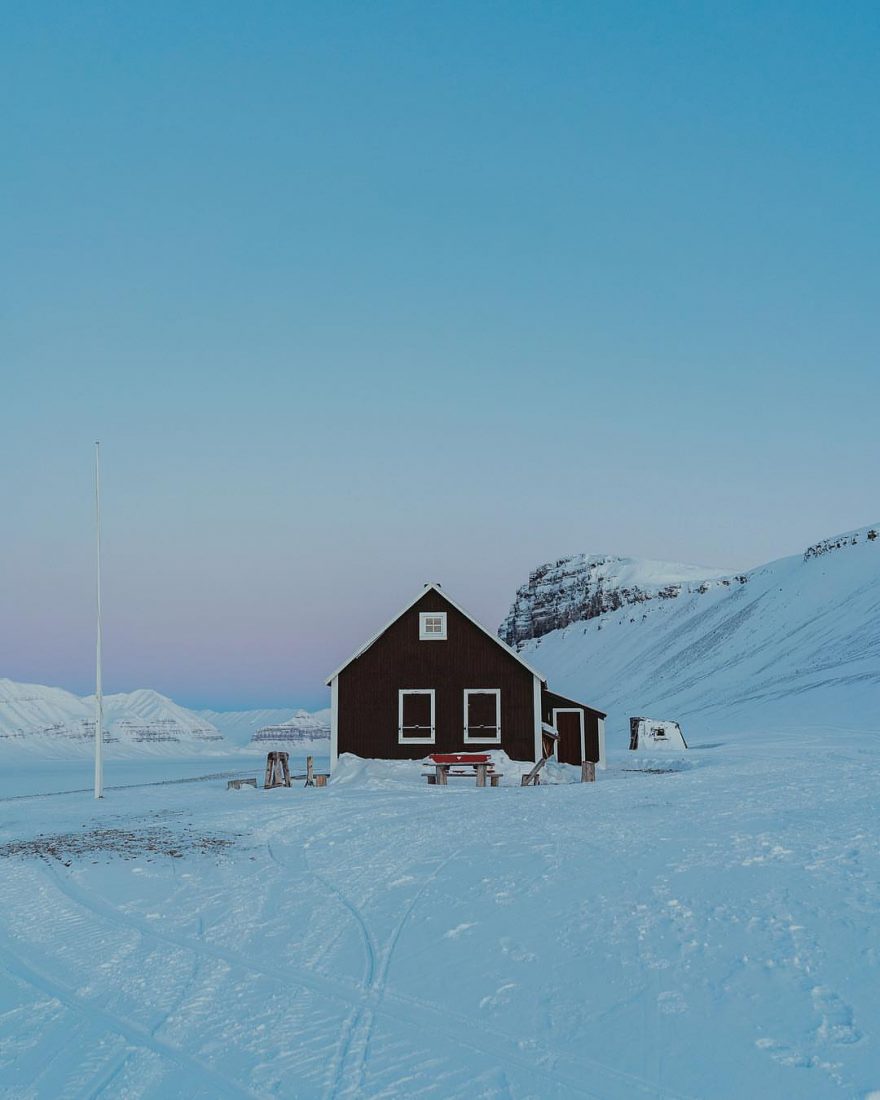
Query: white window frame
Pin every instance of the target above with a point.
(432, 636)
(468, 739)
(573, 710)
(401, 740)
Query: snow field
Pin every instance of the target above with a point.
(704, 932)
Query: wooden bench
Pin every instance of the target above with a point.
(492, 776)
(237, 784)
(457, 764)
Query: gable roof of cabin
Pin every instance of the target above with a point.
(436, 588)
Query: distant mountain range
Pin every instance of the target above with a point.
(257, 727)
(33, 713)
(791, 644)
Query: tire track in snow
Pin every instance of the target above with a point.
(412, 1012)
(364, 1020)
(370, 948)
(369, 944)
(111, 1071)
(133, 1033)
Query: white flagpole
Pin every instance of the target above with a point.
(99, 698)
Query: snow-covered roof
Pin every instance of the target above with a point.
(548, 729)
(445, 595)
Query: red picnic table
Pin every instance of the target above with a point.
(458, 763)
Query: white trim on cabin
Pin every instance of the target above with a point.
(601, 762)
(401, 740)
(334, 722)
(572, 710)
(436, 588)
(496, 740)
(537, 701)
(432, 626)
(553, 733)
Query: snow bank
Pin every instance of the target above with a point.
(354, 770)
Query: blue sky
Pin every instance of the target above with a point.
(362, 295)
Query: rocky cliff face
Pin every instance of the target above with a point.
(582, 587)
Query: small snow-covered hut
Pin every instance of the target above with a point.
(653, 735)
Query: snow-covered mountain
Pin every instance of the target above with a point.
(31, 713)
(240, 726)
(584, 586)
(145, 715)
(31, 710)
(303, 726)
(795, 642)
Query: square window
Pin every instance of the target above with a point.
(432, 626)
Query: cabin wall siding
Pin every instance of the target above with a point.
(368, 688)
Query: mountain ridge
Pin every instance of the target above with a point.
(31, 713)
(797, 641)
(583, 586)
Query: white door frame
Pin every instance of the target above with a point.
(571, 710)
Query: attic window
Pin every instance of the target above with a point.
(659, 733)
(432, 626)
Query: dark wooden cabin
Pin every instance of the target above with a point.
(434, 680)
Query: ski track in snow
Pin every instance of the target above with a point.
(710, 932)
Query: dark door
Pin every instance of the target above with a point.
(570, 727)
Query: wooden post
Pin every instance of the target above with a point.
(277, 770)
(588, 772)
(310, 771)
(442, 779)
(481, 775)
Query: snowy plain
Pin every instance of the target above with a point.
(703, 928)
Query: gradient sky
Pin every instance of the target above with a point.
(358, 296)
